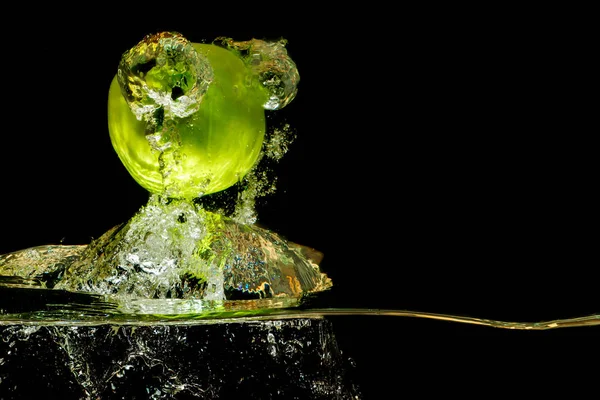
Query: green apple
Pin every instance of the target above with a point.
(216, 146)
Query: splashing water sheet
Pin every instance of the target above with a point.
(190, 298)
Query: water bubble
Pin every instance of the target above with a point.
(290, 349)
(273, 350)
(26, 331)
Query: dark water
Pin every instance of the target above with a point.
(80, 346)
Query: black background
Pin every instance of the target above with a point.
(444, 162)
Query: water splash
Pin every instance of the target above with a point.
(271, 65)
(163, 76)
(174, 249)
(261, 181)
